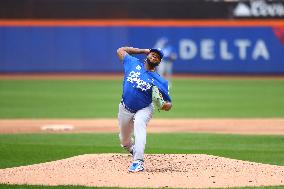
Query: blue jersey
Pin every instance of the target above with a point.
(138, 83)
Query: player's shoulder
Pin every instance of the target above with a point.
(130, 57)
(159, 78)
(130, 61)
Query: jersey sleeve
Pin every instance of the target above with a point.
(164, 89)
(126, 59)
(163, 86)
(129, 61)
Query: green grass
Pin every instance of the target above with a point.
(25, 149)
(192, 98)
(59, 99)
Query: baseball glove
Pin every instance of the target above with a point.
(157, 98)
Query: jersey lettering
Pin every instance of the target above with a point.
(134, 78)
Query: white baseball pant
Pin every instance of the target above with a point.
(138, 121)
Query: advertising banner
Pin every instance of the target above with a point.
(207, 48)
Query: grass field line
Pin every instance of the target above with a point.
(257, 126)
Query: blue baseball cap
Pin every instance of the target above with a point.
(158, 51)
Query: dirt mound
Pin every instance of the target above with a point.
(162, 170)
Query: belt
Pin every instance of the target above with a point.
(128, 109)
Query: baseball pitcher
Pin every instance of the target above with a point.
(143, 89)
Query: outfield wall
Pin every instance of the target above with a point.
(227, 47)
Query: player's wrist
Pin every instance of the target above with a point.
(146, 51)
(133, 50)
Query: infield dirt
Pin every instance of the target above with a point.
(162, 170)
(271, 126)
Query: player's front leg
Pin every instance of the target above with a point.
(141, 119)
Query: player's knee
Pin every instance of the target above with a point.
(140, 123)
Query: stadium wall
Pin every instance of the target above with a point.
(217, 46)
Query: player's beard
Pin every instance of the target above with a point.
(151, 64)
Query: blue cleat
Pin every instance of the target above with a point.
(136, 166)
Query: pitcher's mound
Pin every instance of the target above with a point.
(162, 170)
